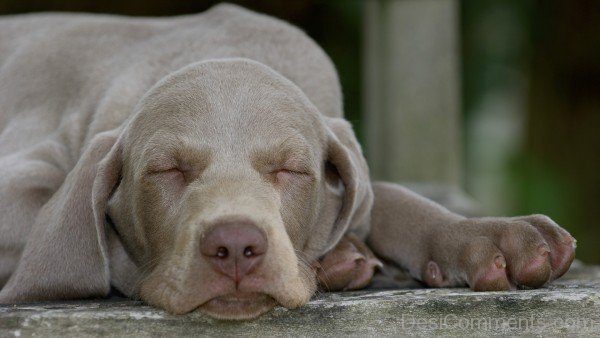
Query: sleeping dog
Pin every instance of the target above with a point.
(203, 162)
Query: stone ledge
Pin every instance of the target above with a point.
(569, 306)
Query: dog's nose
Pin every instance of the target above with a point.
(234, 249)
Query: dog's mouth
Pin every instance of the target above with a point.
(238, 305)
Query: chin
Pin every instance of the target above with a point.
(238, 306)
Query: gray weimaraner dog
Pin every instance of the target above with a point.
(203, 162)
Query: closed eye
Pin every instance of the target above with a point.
(283, 175)
(170, 173)
(164, 171)
(291, 171)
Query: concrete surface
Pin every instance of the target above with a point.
(569, 306)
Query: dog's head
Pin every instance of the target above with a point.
(218, 195)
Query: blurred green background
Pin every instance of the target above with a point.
(530, 93)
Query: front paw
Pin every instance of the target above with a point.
(492, 254)
(350, 265)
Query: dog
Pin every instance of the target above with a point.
(202, 162)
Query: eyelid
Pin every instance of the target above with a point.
(293, 171)
(157, 169)
(167, 165)
(168, 170)
(165, 172)
(297, 164)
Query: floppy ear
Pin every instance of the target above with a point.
(65, 256)
(345, 154)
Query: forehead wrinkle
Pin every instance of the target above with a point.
(178, 146)
(293, 143)
(277, 151)
(234, 117)
(256, 100)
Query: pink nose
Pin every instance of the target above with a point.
(234, 249)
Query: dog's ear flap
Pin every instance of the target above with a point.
(345, 154)
(65, 256)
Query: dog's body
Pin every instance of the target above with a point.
(203, 162)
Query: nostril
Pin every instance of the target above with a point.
(249, 251)
(222, 252)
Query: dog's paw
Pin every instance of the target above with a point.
(492, 254)
(350, 265)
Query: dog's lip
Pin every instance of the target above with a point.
(238, 305)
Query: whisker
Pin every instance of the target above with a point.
(308, 269)
(323, 282)
(144, 272)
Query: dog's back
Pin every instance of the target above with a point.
(97, 67)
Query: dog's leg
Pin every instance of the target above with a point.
(441, 248)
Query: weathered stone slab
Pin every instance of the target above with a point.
(570, 306)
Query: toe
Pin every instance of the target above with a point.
(560, 242)
(527, 254)
(561, 257)
(493, 277)
(537, 271)
(485, 266)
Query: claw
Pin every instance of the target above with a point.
(433, 275)
(500, 262)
